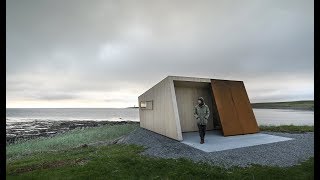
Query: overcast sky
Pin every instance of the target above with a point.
(92, 53)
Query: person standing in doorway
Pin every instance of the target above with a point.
(201, 113)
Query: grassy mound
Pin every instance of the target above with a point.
(69, 139)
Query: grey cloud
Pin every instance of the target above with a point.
(56, 46)
(51, 97)
(116, 100)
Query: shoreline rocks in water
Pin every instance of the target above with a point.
(30, 130)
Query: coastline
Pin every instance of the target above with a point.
(307, 105)
(286, 108)
(35, 129)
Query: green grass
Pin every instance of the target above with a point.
(124, 162)
(288, 128)
(302, 105)
(34, 159)
(70, 139)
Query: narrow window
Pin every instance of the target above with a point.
(146, 105)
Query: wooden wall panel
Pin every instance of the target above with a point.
(187, 94)
(174, 110)
(162, 118)
(185, 109)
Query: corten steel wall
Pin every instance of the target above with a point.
(234, 108)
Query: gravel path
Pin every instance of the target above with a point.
(283, 154)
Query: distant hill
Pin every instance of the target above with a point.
(134, 107)
(299, 105)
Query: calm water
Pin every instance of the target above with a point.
(80, 114)
(263, 116)
(283, 117)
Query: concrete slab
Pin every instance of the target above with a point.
(215, 141)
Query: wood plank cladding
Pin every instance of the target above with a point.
(234, 108)
(187, 94)
(162, 119)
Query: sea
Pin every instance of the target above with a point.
(263, 116)
(14, 115)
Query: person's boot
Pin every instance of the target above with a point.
(202, 141)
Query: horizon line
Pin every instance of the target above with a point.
(128, 106)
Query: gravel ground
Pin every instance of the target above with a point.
(282, 154)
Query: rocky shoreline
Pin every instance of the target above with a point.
(29, 130)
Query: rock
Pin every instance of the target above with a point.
(50, 128)
(84, 145)
(10, 135)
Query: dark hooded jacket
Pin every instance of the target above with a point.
(201, 112)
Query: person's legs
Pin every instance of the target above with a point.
(202, 135)
(203, 131)
(200, 132)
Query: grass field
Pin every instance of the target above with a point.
(299, 105)
(124, 162)
(288, 128)
(63, 157)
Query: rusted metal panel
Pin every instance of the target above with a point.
(243, 107)
(226, 108)
(234, 108)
